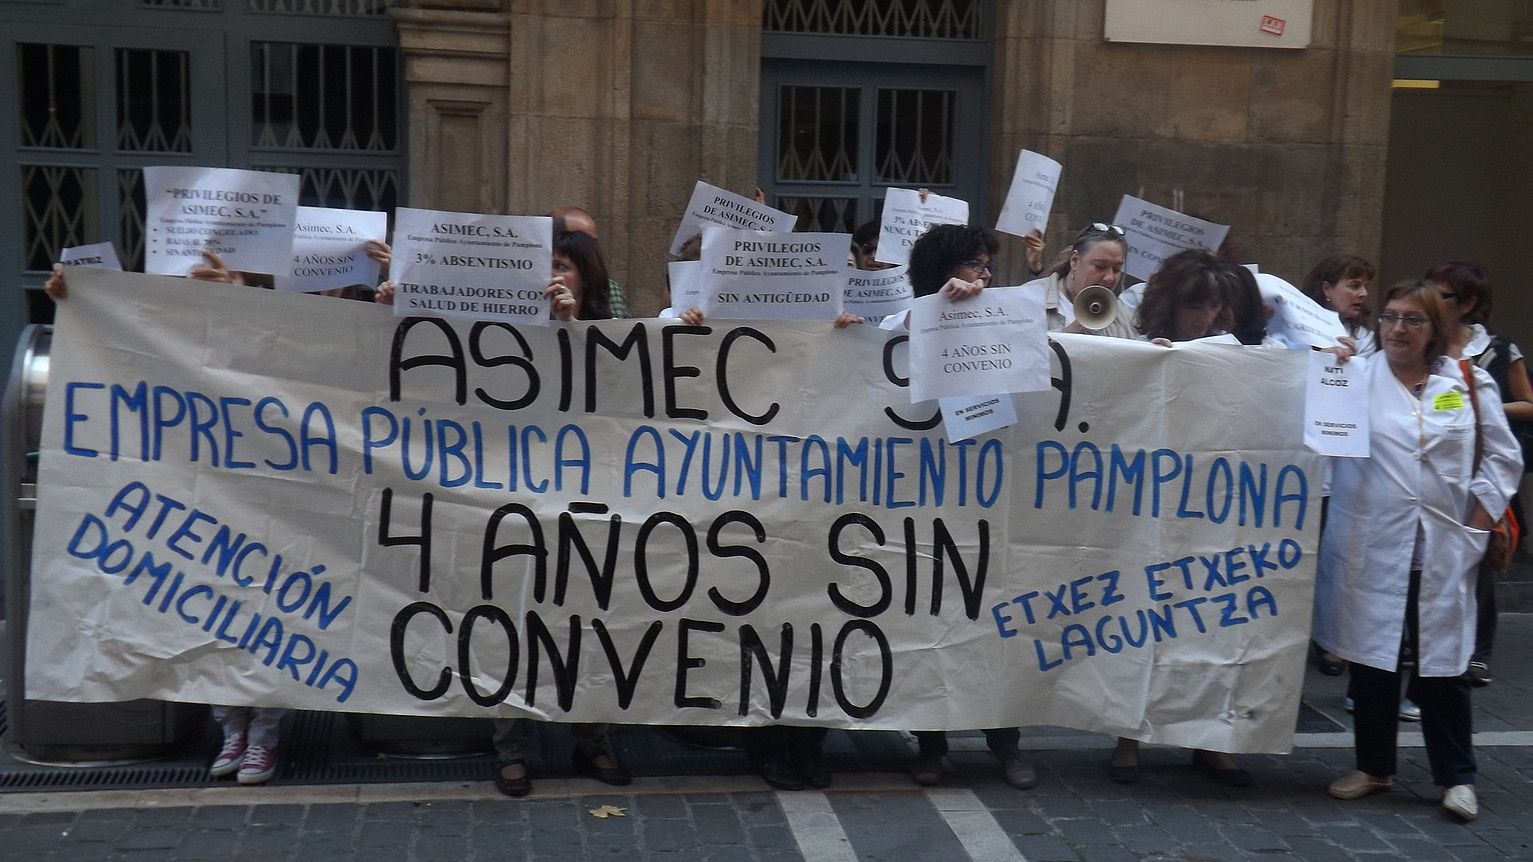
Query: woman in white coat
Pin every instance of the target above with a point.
(1405, 534)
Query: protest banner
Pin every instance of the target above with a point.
(472, 265)
(713, 205)
(99, 255)
(249, 497)
(762, 275)
(991, 343)
(1336, 406)
(906, 217)
(1031, 195)
(244, 217)
(877, 292)
(1154, 233)
(330, 249)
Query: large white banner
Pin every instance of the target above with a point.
(264, 498)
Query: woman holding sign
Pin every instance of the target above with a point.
(1406, 530)
(1340, 283)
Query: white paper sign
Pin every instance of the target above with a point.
(1298, 319)
(271, 552)
(905, 218)
(471, 265)
(968, 417)
(1336, 406)
(686, 284)
(762, 275)
(878, 292)
(98, 255)
(1156, 232)
(993, 343)
(1031, 196)
(244, 217)
(329, 249)
(713, 205)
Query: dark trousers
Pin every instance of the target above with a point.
(934, 742)
(1446, 720)
(1485, 618)
(764, 743)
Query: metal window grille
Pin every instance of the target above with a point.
(58, 210)
(153, 101)
(817, 133)
(919, 19)
(322, 7)
(833, 215)
(914, 142)
(184, 4)
(55, 90)
(323, 97)
(130, 218)
(345, 188)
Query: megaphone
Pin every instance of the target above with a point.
(1096, 307)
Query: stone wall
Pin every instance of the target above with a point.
(616, 106)
(1285, 146)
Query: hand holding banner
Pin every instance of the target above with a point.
(1336, 406)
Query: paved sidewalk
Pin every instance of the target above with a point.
(1174, 813)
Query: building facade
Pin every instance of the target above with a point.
(619, 106)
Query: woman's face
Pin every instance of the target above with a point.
(1348, 297)
(863, 257)
(1193, 319)
(566, 267)
(975, 269)
(1404, 342)
(1100, 263)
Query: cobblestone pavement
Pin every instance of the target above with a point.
(1174, 812)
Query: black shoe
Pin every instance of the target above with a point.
(513, 786)
(1016, 771)
(927, 770)
(585, 764)
(1479, 674)
(779, 772)
(811, 765)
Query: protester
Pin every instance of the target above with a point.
(864, 251)
(958, 262)
(1406, 532)
(579, 221)
(1095, 256)
(1467, 294)
(1340, 283)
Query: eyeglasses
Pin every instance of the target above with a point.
(975, 265)
(1103, 227)
(1389, 319)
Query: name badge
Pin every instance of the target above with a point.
(1448, 401)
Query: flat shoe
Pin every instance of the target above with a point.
(1229, 776)
(1459, 800)
(927, 770)
(1357, 784)
(516, 787)
(586, 765)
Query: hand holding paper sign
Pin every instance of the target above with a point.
(1031, 196)
(985, 342)
(908, 214)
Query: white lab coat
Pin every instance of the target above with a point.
(1377, 503)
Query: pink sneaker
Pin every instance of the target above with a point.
(229, 757)
(259, 765)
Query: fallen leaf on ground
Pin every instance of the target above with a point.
(606, 811)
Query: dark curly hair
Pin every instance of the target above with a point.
(1468, 283)
(938, 252)
(1334, 270)
(1186, 278)
(585, 254)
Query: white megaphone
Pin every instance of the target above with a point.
(1095, 307)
